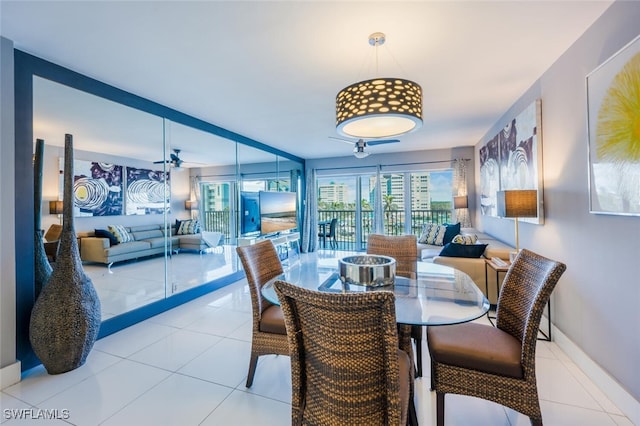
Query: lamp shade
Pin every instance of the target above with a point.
(190, 205)
(460, 202)
(517, 203)
(55, 207)
(378, 108)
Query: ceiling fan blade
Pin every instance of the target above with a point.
(342, 140)
(382, 141)
(160, 162)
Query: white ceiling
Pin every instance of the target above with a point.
(270, 70)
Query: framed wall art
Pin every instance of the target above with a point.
(613, 115)
(512, 159)
(97, 188)
(148, 192)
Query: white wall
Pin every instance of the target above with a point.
(9, 369)
(597, 301)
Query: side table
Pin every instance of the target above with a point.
(490, 264)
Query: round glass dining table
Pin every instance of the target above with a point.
(439, 295)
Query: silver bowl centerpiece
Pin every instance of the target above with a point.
(368, 270)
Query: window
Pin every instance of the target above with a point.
(409, 199)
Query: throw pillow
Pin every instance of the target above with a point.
(121, 233)
(432, 234)
(452, 231)
(189, 227)
(463, 250)
(465, 239)
(103, 233)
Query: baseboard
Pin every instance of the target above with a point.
(9, 375)
(607, 384)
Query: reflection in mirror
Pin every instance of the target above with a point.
(204, 193)
(257, 171)
(115, 147)
(150, 175)
(292, 172)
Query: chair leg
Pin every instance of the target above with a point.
(412, 418)
(419, 357)
(433, 376)
(252, 369)
(439, 409)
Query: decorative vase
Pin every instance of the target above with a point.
(41, 263)
(66, 317)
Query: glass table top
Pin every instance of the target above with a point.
(439, 295)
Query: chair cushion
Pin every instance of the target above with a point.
(273, 320)
(476, 346)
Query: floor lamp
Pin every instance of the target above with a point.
(516, 204)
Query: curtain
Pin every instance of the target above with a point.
(459, 189)
(310, 222)
(378, 210)
(194, 195)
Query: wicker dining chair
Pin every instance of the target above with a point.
(404, 249)
(346, 367)
(498, 364)
(262, 264)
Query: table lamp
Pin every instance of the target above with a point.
(460, 202)
(517, 203)
(56, 207)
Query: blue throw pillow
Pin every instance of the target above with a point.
(463, 250)
(452, 231)
(103, 233)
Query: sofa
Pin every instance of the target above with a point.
(147, 240)
(474, 267)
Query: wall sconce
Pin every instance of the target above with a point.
(516, 204)
(460, 202)
(191, 205)
(55, 207)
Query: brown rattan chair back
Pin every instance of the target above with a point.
(262, 264)
(525, 291)
(344, 357)
(403, 248)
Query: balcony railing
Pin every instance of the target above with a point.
(394, 224)
(394, 221)
(217, 221)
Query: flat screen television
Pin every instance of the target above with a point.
(278, 212)
(250, 211)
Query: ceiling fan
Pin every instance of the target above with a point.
(359, 149)
(175, 160)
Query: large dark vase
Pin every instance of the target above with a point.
(66, 316)
(41, 263)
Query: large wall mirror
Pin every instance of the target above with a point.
(148, 168)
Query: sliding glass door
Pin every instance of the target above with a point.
(409, 199)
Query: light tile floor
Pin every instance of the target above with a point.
(188, 366)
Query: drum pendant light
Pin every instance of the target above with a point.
(380, 107)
